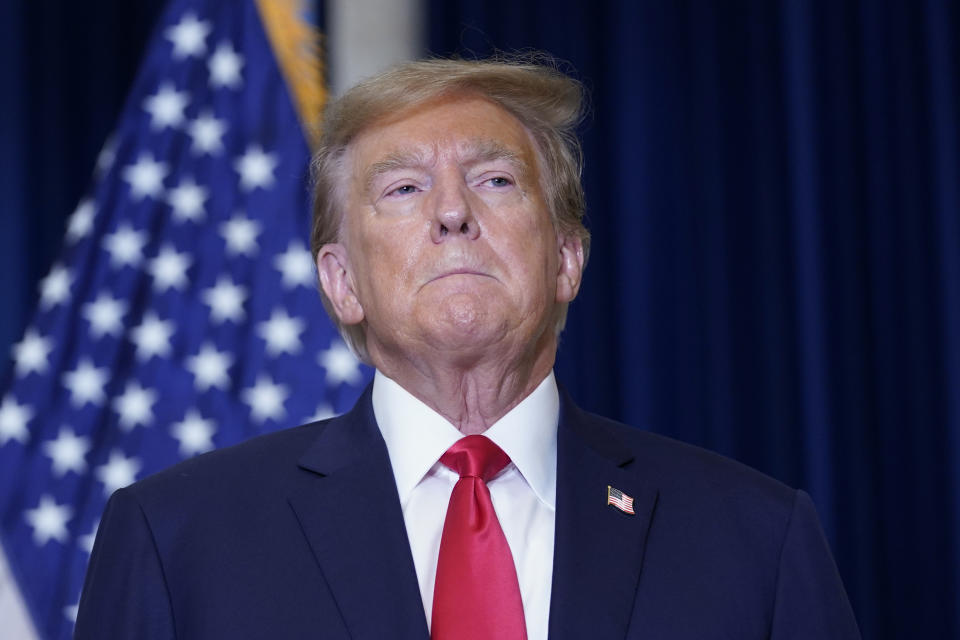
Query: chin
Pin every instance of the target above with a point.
(465, 327)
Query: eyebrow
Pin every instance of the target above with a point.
(486, 150)
(403, 159)
(470, 153)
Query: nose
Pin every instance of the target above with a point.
(454, 215)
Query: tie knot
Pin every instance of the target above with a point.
(475, 456)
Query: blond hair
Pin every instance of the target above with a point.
(545, 100)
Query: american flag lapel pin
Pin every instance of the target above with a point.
(620, 500)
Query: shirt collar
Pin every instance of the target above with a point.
(416, 436)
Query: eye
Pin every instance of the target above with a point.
(499, 181)
(404, 190)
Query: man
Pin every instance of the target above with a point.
(449, 241)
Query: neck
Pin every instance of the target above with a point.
(472, 394)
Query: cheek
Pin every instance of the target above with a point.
(390, 256)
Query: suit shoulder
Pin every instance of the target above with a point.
(257, 464)
(682, 468)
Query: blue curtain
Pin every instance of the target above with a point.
(774, 196)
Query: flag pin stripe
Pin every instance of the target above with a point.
(620, 500)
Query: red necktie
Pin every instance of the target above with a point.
(476, 595)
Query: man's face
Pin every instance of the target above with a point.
(447, 242)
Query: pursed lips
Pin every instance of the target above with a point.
(458, 272)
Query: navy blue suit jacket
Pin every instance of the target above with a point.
(300, 534)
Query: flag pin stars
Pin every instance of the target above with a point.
(620, 500)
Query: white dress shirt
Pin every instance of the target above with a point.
(523, 494)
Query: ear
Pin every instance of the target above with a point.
(571, 267)
(337, 284)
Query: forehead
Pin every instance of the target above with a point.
(461, 127)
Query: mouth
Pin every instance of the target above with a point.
(461, 272)
(458, 272)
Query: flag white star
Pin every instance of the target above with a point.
(188, 36)
(135, 406)
(341, 365)
(296, 266)
(323, 412)
(206, 134)
(55, 288)
(13, 421)
(241, 235)
(86, 542)
(145, 177)
(225, 300)
(49, 520)
(81, 221)
(194, 434)
(118, 472)
(166, 107)
(209, 368)
(255, 168)
(31, 353)
(86, 383)
(266, 399)
(105, 315)
(225, 65)
(70, 612)
(169, 269)
(152, 337)
(125, 246)
(67, 452)
(281, 332)
(187, 200)
(106, 156)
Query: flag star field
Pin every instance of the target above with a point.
(182, 314)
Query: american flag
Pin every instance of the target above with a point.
(182, 313)
(620, 500)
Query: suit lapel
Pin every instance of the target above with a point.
(347, 504)
(598, 549)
